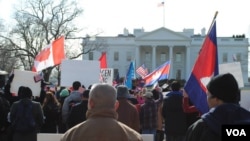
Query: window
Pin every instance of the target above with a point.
(224, 59)
(116, 56)
(163, 57)
(238, 57)
(129, 56)
(148, 57)
(91, 55)
(178, 57)
(178, 74)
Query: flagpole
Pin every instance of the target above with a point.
(163, 15)
(215, 15)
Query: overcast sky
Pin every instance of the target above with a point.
(111, 16)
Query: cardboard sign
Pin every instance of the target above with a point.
(85, 71)
(107, 75)
(235, 69)
(25, 78)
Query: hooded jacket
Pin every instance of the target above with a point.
(208, 128)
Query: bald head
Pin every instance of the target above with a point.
(102, 95)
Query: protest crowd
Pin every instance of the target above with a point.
(122, 111)
(105, 112)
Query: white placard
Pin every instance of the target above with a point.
(235, 69)
(25, 78)
(107, 75)
(85, 71)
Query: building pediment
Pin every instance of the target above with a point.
(161, 34)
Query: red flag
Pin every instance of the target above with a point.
(50, 56)
(103, 60)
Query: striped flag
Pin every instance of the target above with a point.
(51, 55)
(160, 73)
(206, 66)
(142, 71)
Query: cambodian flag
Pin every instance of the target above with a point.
(162, 72)
(206, 66)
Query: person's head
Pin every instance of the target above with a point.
(64, 92)
(20, 91)
(76, 85)
(50, 98)
(26, 93)
(175, 86)
(222, 88)
(102, 95)
(147, 95)
(122, 92)
(86, 93)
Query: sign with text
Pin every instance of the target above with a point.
(107, 75)
(235, 69)
(25, 78)
(85, 71)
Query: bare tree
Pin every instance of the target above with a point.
(7, 59)
(40, 22)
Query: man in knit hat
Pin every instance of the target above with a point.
(127, 112)
(223, 97)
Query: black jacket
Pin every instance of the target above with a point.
(173, 114)
(77, 113)
(208, 128)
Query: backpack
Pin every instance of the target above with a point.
(24, 122)
(4, 110)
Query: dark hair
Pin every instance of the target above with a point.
(86, 93)
(175, 86)
(76, 85)
(20, 91)
(26, 93)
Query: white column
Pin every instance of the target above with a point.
(153, 57)
(137, 57)
(171, 61)
(188, 69)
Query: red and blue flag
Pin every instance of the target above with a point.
(160, 73)
(206, 66)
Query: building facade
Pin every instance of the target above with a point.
(158, 46)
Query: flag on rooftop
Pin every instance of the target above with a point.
(205, 67)
(160, 4)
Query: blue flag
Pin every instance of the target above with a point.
(130, 75)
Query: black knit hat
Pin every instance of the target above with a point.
(224, 87)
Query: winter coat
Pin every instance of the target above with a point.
(128, 114)
(101, 125)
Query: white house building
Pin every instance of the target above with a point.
(158, 46)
